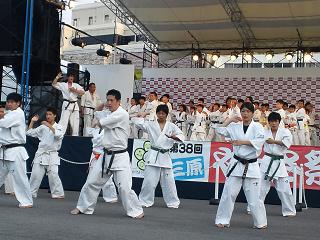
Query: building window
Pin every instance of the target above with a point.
(75, 22)
(90, 21)
(106, 18)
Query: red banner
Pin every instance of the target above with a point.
(309, 156)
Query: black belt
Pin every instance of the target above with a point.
(92, 108)
(112, 153)
(273, 158)
(12, 145)
(215, 122)
(159, 150)
(69, 102)
(245, 162)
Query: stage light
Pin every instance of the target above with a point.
(307, 56)
(289, 56)
(102, 52)
(78, 42)
(196, 56)
(58, 4)
(233, 56)
(125, 61)
(269, 55)
(215, 56)
(248, 56)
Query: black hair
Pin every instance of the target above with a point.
(163, 108)
(280, 101)
(274, 116)
(201, 99)
(135, 100)
(166, 95)
(307, 103)
(193, 108)
(266, 105)
(224, 105)
(292, 106)
(248, 105)
(200, 105)
(71, 74)
(250, 98)
(16, 97)
(285, 104)
(217, 104)
(240, 100)
(191, 101)
(256, 103)
(301, 100)
(184, 107)
(115, 93)
(53, 110)
(143, 98)
(91, 84)
(154, 93)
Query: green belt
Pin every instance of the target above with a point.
(273, 158)
(159, 150)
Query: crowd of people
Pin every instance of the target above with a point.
(246, 124)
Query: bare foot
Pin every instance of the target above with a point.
(220, 225)
(113, 201)
(26, 206)
(139, 216)
(75, 211)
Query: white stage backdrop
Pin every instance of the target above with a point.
(265, 85)
(117, 76)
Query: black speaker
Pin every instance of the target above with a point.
(45, 58)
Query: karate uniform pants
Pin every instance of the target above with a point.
(87, 123)
(72, 117)
(295, 139)
(307, 137)
(314, 139)
(301, 133)
(55, 184)
(109, 191)
(152, 175)
(211, 135)
(282, 186)
(21, 186)
(197, 136)
(133, 131)
(8, 184)
(123, 180)
(251, 188)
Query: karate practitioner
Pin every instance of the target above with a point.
(89, 101)
(141, 112)
(291, 122)
(162, 135)
(115, 161)
(191, 118)
(214, 118)
(200, 125)
(301, 122)
(181, 119)
(314, 140)
(165, 100)
(133, 113)
(273, 169)
(247, 138)
(152, 105)
(46, 159)
(281, 111)
(70, 108)
(13, 155)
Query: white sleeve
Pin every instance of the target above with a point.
(58, 133)
(10, 120)
(259, 139)
(83, 99)
(140, 123)
(112, 120)
(178, 133)
(35, 132)
(57, 86)
(224, 131)
(287, 138)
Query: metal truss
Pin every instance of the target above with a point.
(129, 19)
(233, 10)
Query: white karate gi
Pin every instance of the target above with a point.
(199, 128)
(133, 112)
(256, 115)
(181, 122)
(159, 165)
(46, 159)
(283, 116)
(234, 112)
(109, 191)
(69, 111)
(251, 184)
(141, 110)
(116, 133)
(89, 102)
(214, 118)
(191, 118)
(14, 159)
(291, 120)
(301, 122)
(151, 109)
(314, 139)
(8, 185)
(280, 178)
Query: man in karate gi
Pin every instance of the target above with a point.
(89, 101)
(13, 155)
(281, 111)
(214, 118)
(70, 108)
(142, 108)
(162, 135)
(273, 168)
(301, 122)
(247, 138)
(46, 159)
(200, 125)
(115, 161)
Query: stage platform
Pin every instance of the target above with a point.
(50, 220)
